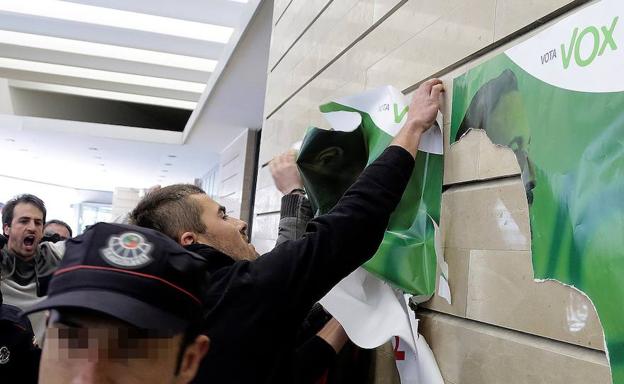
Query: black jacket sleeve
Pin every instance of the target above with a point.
(312, 359)
(298, 273)
(295, 214)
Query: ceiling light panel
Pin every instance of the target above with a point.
(103, 94)
(108, 51)
(96, 74)
(119, 19)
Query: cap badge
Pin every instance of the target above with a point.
(4, 355)
(129, 250)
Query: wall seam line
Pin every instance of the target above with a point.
(505, 40)
(283, 12)
(290, 47)
(338, 56)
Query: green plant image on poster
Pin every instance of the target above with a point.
(562, 113)
(330, 162)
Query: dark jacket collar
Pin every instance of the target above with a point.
(215, 259)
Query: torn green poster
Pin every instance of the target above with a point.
(557, 100)
(330, 161)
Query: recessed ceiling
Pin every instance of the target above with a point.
(34, 150)
(142, 51)
(98, 102)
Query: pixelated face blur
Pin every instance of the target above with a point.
(58, 229)
(85, 349)
(25, 231)
(224, 233)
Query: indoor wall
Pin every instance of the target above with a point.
(503, 327)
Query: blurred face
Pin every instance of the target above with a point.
(58, 229)
(85, 349)
(25, 231)
(226, 234)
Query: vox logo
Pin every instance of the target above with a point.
(398, 116)
(599, 39)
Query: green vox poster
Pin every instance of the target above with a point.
(557, 100)
(330, 161)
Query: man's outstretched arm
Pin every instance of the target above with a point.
(295, 210)
(338, 242)
(317, 354)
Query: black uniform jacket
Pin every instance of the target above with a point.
(256, 308)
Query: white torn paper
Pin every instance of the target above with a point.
(370, 310)
(415, 362)
(444, 290)
(388, 108)
(372, 313)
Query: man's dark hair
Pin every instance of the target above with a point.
(59, 222)
(7, 211)
(170, 210)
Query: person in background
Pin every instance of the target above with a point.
(125, 307)
(59, 228)
(26, 264)
(19, 356)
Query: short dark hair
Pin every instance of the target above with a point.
(59, 222)
(26, 198)
(170, 210)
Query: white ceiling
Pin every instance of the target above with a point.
(138, 47)
(38, 149)
(158, 52)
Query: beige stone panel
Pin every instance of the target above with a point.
(475, 157)
(278, 90)
(284, 128)
(333, 32)
(383, 366)
(264, 178)
(383, 7)
(469, 352)
(279, 7)
(466, 29)
(348, 28)
(342, 23)
(231, 186)
(343, 78)
(406, 21)
(489, 216)
(409, 20)
(268, 199)
(512, 15)
(495, 160)
(269, 133)
(265, 226)
(501, 291)
(461, 160)
(354, 85)
(319, 33)
(458, 263)
(301, 13)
